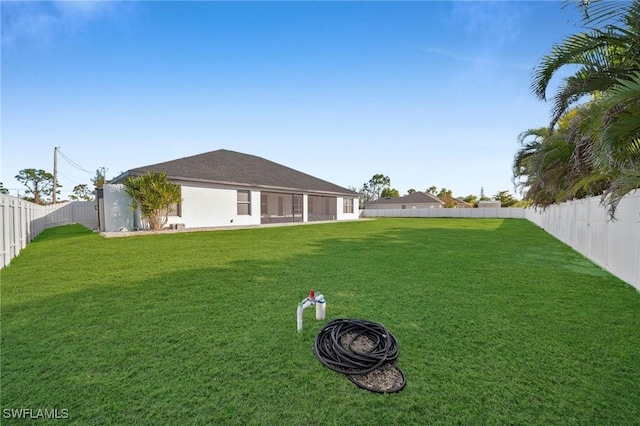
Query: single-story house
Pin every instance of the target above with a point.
(416, 200)
(489, 204)
(228, 188)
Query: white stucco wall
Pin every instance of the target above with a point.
(347, 216)
(118, 213)
(203, 206)
(210, 206)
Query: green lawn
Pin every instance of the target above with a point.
(497, 323)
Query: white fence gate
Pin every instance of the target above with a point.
(22, 221)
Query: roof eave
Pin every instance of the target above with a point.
(120, 178)
(236, 184)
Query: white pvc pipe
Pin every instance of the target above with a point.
(321, 309)
(306, 302)
(300, 316)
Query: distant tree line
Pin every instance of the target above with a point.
(379, 186)
(39, 186)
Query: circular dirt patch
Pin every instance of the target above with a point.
(364, 351)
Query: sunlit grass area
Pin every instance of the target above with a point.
(497, 323)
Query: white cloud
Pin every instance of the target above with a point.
(25, 20)
(40, 22)
(83, 8)
(495, 23)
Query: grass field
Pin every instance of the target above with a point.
(497, 323)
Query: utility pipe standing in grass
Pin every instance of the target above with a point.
(312, 299)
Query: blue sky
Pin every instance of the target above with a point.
(427, 93)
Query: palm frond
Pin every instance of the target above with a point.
(597, 12)
(626, 181)
(570, 51)
(626, 88)
(608, 52)
(574, 89)
(622, 128)
(589, 185)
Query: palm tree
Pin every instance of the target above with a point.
(603, 55)
(621, 139)
(594, 147)
(541, 166)
(153, 194)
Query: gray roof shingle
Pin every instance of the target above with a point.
(235, 168)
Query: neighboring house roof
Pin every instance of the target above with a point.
(461, 201)
(417, 197)
(235, 168)
(489, 203)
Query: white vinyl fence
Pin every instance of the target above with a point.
(22, 221)
(581, 224)
(585, 226)
(514, 213)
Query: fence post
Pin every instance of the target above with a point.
(4, 211)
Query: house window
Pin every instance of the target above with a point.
(175, 209)
(244, 203)
(347, 205)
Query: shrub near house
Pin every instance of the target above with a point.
(153, 194)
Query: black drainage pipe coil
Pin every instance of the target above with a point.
(363, 350)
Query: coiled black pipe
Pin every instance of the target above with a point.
(329, 347)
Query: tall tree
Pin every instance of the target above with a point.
(602, 55)
(153, 194)
(542, 166)
(446, 195)
(373, 188)
(39, 184)
(3, 190)
(506, 199)
(81, 192)
(432, 190)
(471, 199)
(362, 198)
(482, 196)
(100, 178)
(411, 191)
(602, 135)
(365, 195)
(620, 143)
(389, 193)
